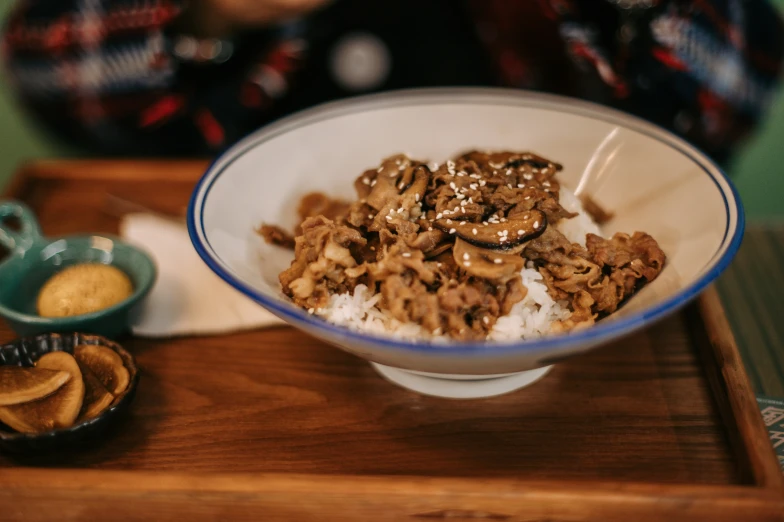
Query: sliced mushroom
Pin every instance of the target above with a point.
(385, 187)
(536, 161)
(393, 204)
(504, 235)
(406, 177)
(428, 240)
(416, 189)
(486, 264)
(363, 182)
(440, 249)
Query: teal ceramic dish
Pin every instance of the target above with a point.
(34, 259)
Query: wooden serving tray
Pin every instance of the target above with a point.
(274, 425)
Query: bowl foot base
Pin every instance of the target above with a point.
(460, 386)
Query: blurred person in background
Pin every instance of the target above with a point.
(178, 77)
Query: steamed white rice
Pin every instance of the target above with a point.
(530, 318)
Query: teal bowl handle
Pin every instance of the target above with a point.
(18, 242)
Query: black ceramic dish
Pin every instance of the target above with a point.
(24, 352)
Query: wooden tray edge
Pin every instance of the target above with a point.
(141, 495)
(736, 399)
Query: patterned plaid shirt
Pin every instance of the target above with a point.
(112, 75)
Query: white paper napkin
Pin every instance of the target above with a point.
(188, 298)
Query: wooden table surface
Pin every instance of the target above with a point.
(630, 417)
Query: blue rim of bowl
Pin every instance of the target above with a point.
(602, 331)
(76, 320)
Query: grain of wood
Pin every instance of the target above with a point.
(275, 425)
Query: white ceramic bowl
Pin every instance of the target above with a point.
(651, 180)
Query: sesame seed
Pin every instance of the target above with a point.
(536, 224)
(429, 229)
(448, 221)
(460, 196)
(466, 256)
(401, 186)
(366, 181)
(510, 185)
(508, 171)
(462, 209)
(373, 183)
(462, 223)
(373, 248)
(416, 197)
(473, 231)
(452, 230)
(370, 216)
(527, 198)
(406, 254)
(528, 177)
(497, 261)
(520, 185)
(500, 233)
(438, 264)
(503, 220)
(463, 203)
(482, 183)
(466, 263)
(471, 200)
(389, 218)
(473, 186)
(452, 185)
(311, 310)
(439, 215)
(486, 320)
(520, 232)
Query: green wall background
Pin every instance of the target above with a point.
(758, 171)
